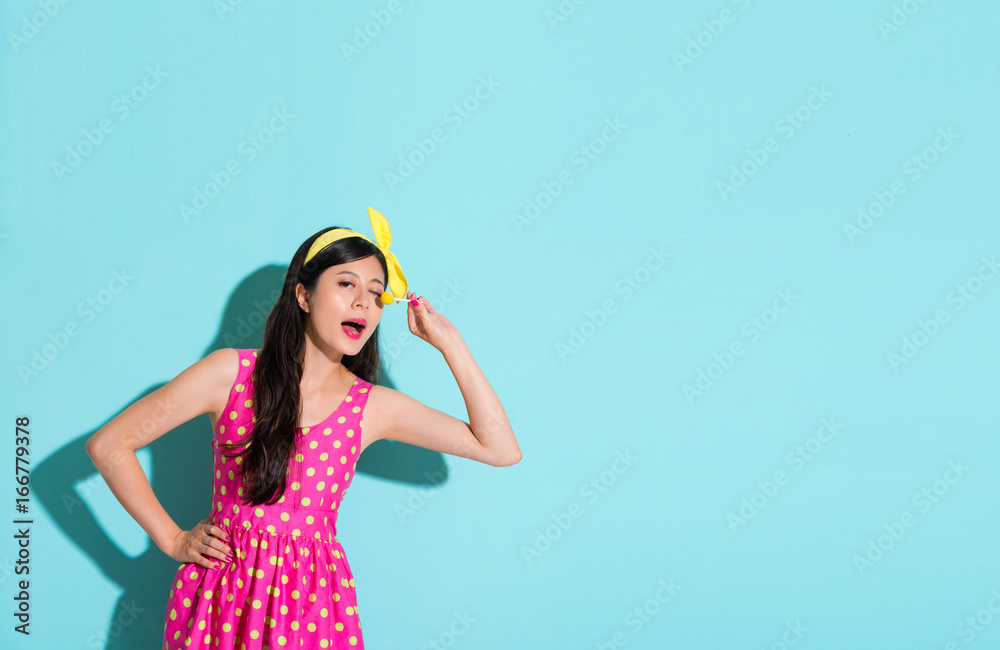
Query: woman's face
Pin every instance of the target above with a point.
(346, 292)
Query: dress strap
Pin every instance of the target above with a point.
(240, 392)
(248, 361)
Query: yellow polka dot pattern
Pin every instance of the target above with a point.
(288, 583)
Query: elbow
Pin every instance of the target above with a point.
(512, 461)
(97, 447)
(108, 451)
(92, 447)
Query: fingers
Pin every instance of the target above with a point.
(194, 557)
(426, 304)
(414, 316)
(218, 532)
(215, 546)
(218, 549)
(210, 558)
(212, 546)
(215, 553)
(205, 562)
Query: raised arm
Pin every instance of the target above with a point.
(487, 437)
(201, 388)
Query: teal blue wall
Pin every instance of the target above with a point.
(730, 266)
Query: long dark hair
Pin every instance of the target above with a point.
(267, 448)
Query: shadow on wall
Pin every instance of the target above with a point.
(182, 481)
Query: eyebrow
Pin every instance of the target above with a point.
(359, 277)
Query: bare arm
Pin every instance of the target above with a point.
(203, 387)
(486, 438)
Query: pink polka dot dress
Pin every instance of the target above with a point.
(288, 583)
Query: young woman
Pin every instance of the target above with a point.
(289, 422)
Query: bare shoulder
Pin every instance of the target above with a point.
(383, 408)
(211, 379)
(375, 412)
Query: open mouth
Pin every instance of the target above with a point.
(353, 328)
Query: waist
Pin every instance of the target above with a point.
(278, 519)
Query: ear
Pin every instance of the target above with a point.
(302, 297)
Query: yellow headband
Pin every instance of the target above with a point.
(397, 281)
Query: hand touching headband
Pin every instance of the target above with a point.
(397, 281)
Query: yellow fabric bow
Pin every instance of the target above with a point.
(380, 226)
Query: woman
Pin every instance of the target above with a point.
(289, 423)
